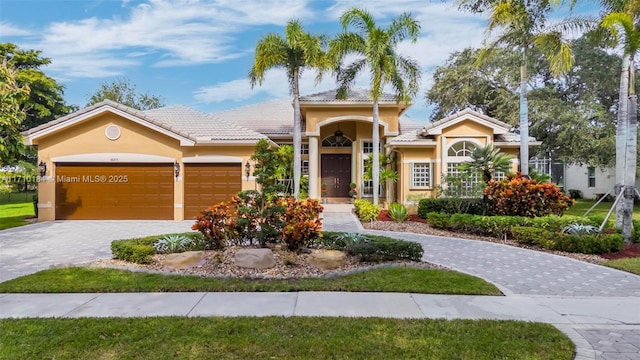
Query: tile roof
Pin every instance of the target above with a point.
(201, 126)
(464, 112)
(274, 117)
(180, 120)
(353, 95)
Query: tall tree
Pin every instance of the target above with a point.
(12, 113)
(623, 24)
(46, 98)
(573, 115)
(522, 24)
(375, 49)
(125, 93)
(296, 52)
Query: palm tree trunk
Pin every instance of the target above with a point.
(621, 130)
(524, 118)
(375, 139)
(297, 138)
(630, 171)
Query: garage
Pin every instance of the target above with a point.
(97, 191)
(206, 184)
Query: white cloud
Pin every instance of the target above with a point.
(7, 29)
(171, 33)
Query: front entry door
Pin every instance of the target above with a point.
(336, 173)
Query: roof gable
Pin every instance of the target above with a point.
(436, 128)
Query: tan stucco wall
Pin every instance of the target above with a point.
(314, 115)
(89, 137)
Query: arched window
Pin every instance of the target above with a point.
(461, 149)
(335, 141)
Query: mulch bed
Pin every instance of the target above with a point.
(629, 251)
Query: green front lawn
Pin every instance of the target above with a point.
(396, 279)
(582, 205)
(279, 338)
(631, 265)
(14, 214)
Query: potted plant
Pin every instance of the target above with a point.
(323, 192)
(353, 193)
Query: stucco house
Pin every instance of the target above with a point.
(109, 161)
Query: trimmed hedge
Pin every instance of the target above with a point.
(589, 244)
(141, 250)
(450, 206)
(374, 248)
(542, 231)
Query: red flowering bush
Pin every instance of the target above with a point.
(302, 222)
(216, 224)
(518, 196)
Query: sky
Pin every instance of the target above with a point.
(198, 52)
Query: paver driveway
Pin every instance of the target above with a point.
(27, 249)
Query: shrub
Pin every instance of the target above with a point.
(450, 205)
(302, 219)
(575, 194)
(381, 248)
(136, 250)
(214, 223)
(249, 206)
(365, 210)
(439, 220)
(518, 196)
(398, 212)
(533, 236)
(589, 244)
(635, 235)
(556, 223)
(173, 243)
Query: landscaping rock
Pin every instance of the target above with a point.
(327, 259)
(185, 259)
(255, 258)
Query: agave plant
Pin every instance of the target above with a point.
(170, 244)
(350, 240)
(398, 212)
(580, 229)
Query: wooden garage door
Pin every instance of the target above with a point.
(208, 184)
(114, 191)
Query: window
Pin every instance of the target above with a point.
(461, 148)
(367, 147)
(460, 183)
(591, 176)
(420, 175)
(305, 167)
(305, 149)
(331, 141)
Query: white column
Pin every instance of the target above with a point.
(443, 161)
(354, 162)
(314, 155)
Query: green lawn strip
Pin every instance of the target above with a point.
(389, 279)
(279, 338)
(13, 214)
(582, 205)
(631, 265)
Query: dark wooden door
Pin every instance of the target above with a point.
(336, 173)
(114, 191)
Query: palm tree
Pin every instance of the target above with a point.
(522, 25)
(622, 24)
(487, 160)
(375, 49)
(297, 51)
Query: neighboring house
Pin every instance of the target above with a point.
(109, 161)
(593, 182)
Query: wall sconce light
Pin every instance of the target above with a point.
(339, 136)
(247, 169)
(176, 168)
(43, 168)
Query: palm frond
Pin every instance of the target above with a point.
(556, 50)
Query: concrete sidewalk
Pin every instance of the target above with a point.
(574, 316)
